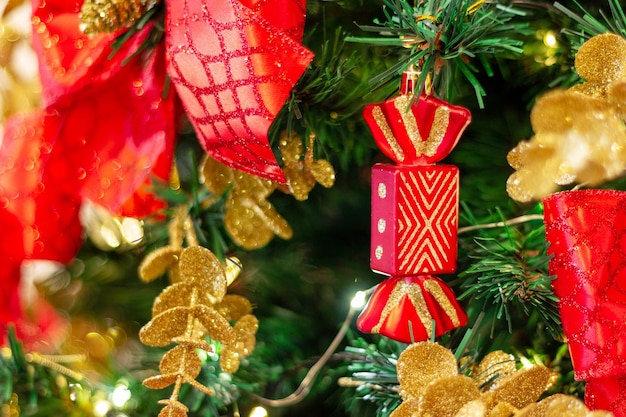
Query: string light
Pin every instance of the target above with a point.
(358, 301)
(120, 395)
(549, 39)
(258, 411)
(101, 407)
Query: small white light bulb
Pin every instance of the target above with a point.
(358, 301)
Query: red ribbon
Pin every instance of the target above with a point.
(234, 65)
(106, 126)
(587, 234)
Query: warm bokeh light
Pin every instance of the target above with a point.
(258, 411)
(549, 39)
(358, 301)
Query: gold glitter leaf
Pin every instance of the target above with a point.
(523, 387)
(233, 307)
(562, 405)
(176, 295)
(215, 176)
(216, 325)
(199, 266)
(157, 262)
(229, 360)
(475, 408)
(421, 363)
(445, 396)
(502, 409)
(405, 409)
(181, 360)
(602, 59)
(249, 218)
(245, 227)
(493, 365)
(245, 331)
(165, 326)
(302, 173)
(323, 172)
(160, 381)
(174, 410)
(299, 181)
(577, 138)
(290, 147)
(252, 225)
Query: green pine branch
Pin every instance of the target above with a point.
(445, 38)
(509, 279)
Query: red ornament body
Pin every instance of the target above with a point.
(414, 219)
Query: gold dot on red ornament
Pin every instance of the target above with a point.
(382, 225)
(382, 190)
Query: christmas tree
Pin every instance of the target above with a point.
(305, 208)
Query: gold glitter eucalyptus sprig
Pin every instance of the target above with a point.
(249, 218)
(302, 173)
(193, 308)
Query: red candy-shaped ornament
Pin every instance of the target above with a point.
(414, 217)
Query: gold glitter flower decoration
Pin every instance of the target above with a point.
(250, 220)
(190, 310)
(303, 173)
(430, 385)
(580, 135)
(20, 88)
(103, 16)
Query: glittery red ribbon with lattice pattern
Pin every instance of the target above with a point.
(234, 64)
(587, 234)
(106, 126)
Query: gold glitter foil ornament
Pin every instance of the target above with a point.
(302, 173)
(421, 363)
(522, 387)
(460, 390)
(250, 220)
(191, 309)
(580, 135)
(98, 16)
(600, 61)
(494, 365)
(431, 386)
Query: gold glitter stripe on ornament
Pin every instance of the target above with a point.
(434, 289)
(414, 292)
(437, 130)
(417, 299)
(382, 124)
